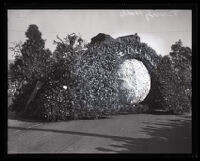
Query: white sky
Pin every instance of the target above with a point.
(158, 28)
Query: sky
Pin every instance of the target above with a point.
(158, 28)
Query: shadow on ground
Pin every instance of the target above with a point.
(172, 136)
(19, 117)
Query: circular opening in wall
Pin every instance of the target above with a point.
(134, 81)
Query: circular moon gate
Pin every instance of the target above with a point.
(134, 81)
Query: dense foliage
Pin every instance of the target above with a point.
(173, 90)
(95, 88)
(79, 80)
(31, 61)
(90, 82)
(32, 64)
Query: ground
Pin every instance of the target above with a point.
(133, 133)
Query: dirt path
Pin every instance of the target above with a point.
(139, 133)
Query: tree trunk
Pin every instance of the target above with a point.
(38, 86)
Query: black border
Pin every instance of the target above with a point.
(123, 5)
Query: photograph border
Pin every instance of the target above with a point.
(195, 110)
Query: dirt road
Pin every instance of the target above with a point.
(135, 133)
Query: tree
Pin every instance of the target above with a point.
(68, 47)
(32, 63)
(182, 63)
(55, 100)
(32, 58)
(173, 80)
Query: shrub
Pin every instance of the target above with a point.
(171, 96)
(21, 96)
(135, 109)
(53, 102)
(95, 88)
